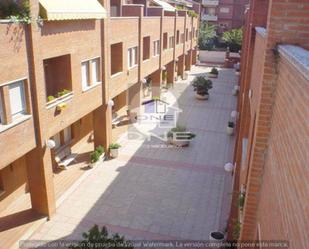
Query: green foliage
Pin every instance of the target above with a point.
(192, 13)
(207, 36)
(63, 92)
(50, 98)
(164, 75)
(179, 129)
(114, 146)
(17, 12)
(233, 39)
(95, 155)
(236, 230)
(202, 85)
(214, 71)
(241, 201)
(179, 7)
(99, 238)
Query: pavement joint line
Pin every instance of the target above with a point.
(171, 164)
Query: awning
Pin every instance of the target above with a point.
(166, 6)
(71, 9)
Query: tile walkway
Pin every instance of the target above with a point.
(151, 192)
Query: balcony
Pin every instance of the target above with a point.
(210, 2)
(212, 18)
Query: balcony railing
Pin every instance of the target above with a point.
(210, 2)
(206, 17)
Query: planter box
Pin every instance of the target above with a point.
(230, 130)
(179, 143)
(114, 153)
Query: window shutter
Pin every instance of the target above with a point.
(17, 98)
(67, 134)
(1, 112)
(129, 57)
(56, 138)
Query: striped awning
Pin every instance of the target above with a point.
(71, 9)
(166, 6)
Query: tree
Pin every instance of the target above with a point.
(207, 36)
(233, 39)
(99, 239)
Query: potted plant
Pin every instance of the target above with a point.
(179, 136)
(218, 238)
(96, 155)
(202, 86)
(114, 150)
(230, 128)
(235, 90)
(213, 73)
(164, 77)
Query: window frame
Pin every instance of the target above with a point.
(89, 66)
(171, 41)
(132, 60)
(23, 112)
(156, 48)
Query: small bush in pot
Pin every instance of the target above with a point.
(202, 86)
(213, 73)
(179, 136)
(113, 148)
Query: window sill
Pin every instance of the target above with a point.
(157, 55)
(148, 59)
(116, 74)
(16, 121)
(131, 68)
(59, 100)
(91, 86)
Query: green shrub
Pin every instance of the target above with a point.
(94, 156)
(19, 12)
(207, 36)
(214, 70)
(192, 13)
(181, 129)
(202, 85)
(233, 39)
(63, 92)
(50, 98)
(96, 238)
(100, 149)
(114, 146)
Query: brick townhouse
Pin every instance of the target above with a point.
(225, 14)
(59, 76)
(271, 154)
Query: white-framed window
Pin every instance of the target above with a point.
(224, 10)
(156, 48)
(132, 57)
(17, 99)
(90, 70)
(171, 42)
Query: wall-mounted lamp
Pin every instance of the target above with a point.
(229, 167)
(234, 114)
(110, 103)
(50, 144)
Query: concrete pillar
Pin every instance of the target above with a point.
(40, 180)
(170, 69)
(156, 78)
(194, 56)
(188, 60)
(181, 66)
(102, 126)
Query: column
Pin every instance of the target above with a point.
(102, 126)
(156, 78)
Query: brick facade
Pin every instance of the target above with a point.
(272, 167)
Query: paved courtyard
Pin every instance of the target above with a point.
(153, 192)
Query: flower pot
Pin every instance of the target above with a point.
(230, 130)
(202, 97)
(114, 153)
(217, 238)
(234, 92)
(212, 75)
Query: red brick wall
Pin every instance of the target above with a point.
(282, 211)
